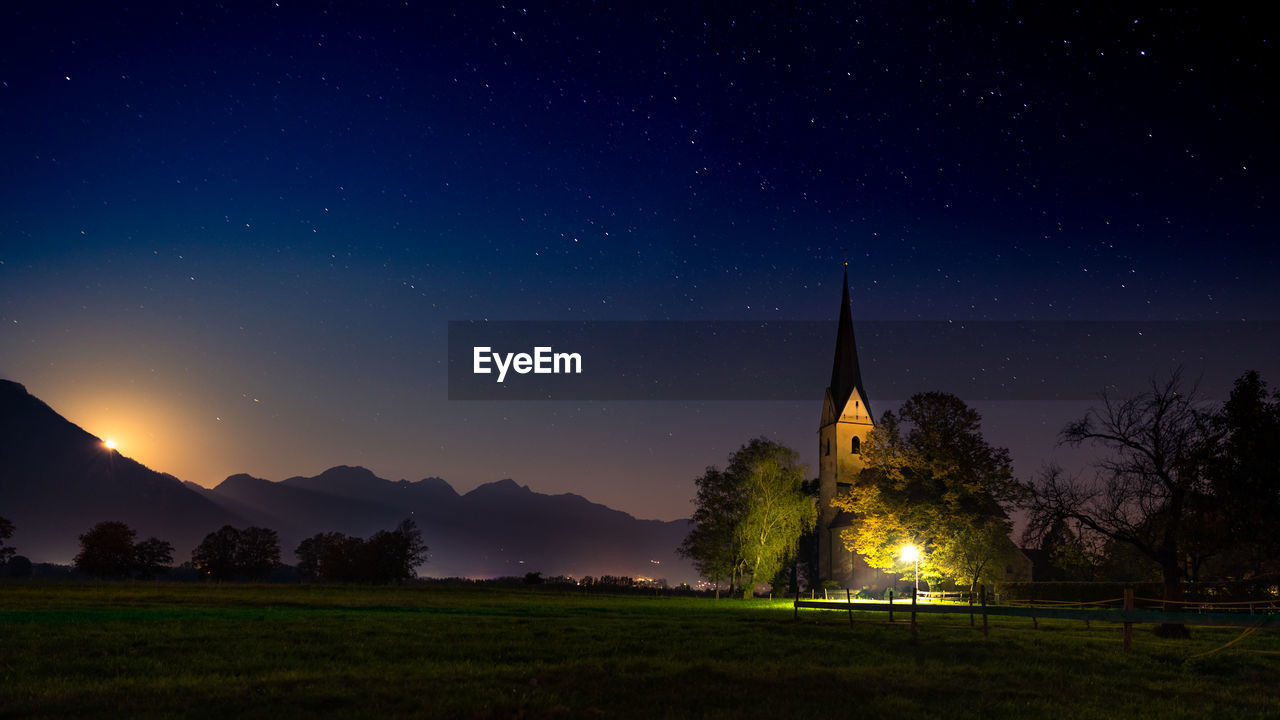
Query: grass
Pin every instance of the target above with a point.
(192, 650)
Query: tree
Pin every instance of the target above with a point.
(106, 550)
(19, 566)
(749, 517)
(393, 556)
(152, 557)
(777, 508)
(1155, 445)
(1065, 555)
(216, 556)
(975, 551)
(6, 532)
(310, 552)
(931, 480)
(1243, 481)
(712, 543)
(387, 556)
(257, 553)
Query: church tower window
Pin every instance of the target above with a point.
(855, 446)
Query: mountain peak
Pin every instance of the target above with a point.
(349, 473)
(240, 480)
(506, 485)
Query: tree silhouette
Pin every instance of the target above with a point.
(258, 553)
(387, 556)
(152, 557)
(19, 567)
(106, 550)
(712, 544)
(6, 532)
(215, 556)
(1156, 445)
(1243, 477)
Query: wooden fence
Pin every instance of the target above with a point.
(1238, 614)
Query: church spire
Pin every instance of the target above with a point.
(846, 375)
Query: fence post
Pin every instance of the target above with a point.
(795, 606)
(982, 590)
(1128, 626)
(890, 604)
(971, 607)
(913, 612)
(848, 598)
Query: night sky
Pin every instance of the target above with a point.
(232, 236)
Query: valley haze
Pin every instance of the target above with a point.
(57, 480)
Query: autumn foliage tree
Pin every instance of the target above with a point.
(932, 480)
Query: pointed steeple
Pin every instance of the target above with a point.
(846, 375)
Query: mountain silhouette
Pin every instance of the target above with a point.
(56, 481)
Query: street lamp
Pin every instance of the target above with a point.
(911, 553)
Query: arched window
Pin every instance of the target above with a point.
(828, 446)
(855, 446)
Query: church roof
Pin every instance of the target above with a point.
(846, 375)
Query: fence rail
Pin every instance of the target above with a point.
(1118, 615)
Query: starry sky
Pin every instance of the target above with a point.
(232, 235)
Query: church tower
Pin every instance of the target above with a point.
(846, 420)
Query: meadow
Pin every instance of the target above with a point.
(279, 651)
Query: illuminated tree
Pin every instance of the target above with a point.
(749, 518)
(974, 551)
(106, 550)
(777, 509)
(931, 480)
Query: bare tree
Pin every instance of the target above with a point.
(1155, 445)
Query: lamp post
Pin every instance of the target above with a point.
(911, 553)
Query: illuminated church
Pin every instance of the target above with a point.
(846, 420)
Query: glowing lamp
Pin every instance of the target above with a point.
(911, 553)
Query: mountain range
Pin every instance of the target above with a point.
(57, 480)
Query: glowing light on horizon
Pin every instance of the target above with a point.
(109, 443)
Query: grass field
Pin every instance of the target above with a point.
(191, 650)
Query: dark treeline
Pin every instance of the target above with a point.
(110, 551)
(384, 557)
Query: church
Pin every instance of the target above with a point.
(846, 420)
